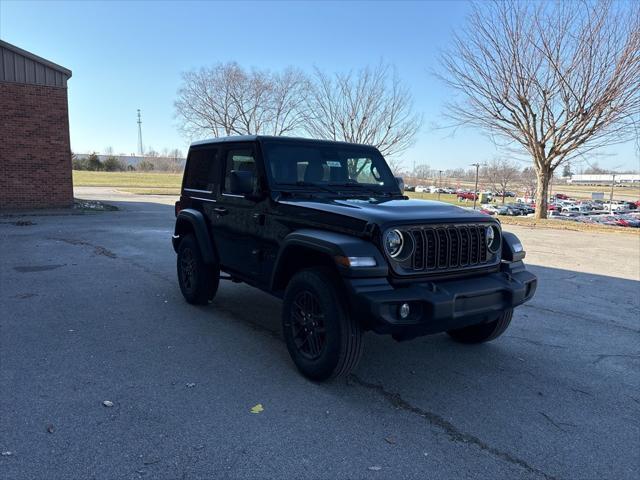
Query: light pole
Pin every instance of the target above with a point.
(439, 183)
(475, 191)
(613, 182)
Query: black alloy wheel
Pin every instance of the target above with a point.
(307, 325)
(322, 337)
(187, 268)
(198, 281)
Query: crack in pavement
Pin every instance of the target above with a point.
(447, 427)
(580, 317)
(97, 249)
(100, 250)
(535, 342)
(602, 356)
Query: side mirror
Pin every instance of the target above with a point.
(400, 183)
(241, 182)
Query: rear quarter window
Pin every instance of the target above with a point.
(202, 172)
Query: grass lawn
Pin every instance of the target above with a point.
(565, 225)
(448, 198)
(129, 180)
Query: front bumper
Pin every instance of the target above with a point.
(440, 306)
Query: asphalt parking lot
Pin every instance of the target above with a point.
(90, 311)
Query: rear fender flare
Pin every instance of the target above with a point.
(190, 220)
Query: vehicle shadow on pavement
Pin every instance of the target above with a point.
(565, 375)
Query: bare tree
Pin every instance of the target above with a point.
(228, 100)
(422, 171)
(529, 181)
(554, 79)
(500, 173)
(370, 106)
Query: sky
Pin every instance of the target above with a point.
(130, 55)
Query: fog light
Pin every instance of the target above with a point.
(404, 311)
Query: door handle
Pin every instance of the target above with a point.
(259, 218)
(221, 210)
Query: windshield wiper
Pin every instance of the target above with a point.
(309, 184)
(363, 188)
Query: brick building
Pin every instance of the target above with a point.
(35, 154)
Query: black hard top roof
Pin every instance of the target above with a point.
(258, 138)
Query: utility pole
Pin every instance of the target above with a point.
(475, 191)
(613, 182)
(439, 183)
(140, 147)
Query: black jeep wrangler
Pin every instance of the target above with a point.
(325, 226)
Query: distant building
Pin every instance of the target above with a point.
(35, 154)
(604, 179)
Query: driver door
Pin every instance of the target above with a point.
(236, 221)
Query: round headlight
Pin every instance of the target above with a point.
(492, 236)
(393, 242)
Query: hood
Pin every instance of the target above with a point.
(386, 212)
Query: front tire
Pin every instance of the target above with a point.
(323, 340)
(198, 280)
(484, 332)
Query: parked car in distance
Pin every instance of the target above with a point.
(581, 209)
(615, 206)
(467, 196)
(524, 208)
(499, 209)
(420, 189)
(325, 227)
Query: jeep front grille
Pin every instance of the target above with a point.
(442, 248)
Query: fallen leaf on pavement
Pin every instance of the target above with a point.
(375, 468)
(390, 439)
(50, 428)
(257, 409)
(107, 403)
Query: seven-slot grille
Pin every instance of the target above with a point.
(442, 248)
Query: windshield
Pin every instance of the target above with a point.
(327, 166)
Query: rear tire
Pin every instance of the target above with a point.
(198, 280)
(323, 340)
(484, 332)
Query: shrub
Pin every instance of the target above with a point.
(79, 163)
(113, 164)
(94, 164)
(145, 166)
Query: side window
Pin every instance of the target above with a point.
(239, 159)
(202, 169)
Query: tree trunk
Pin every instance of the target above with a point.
(542, 193)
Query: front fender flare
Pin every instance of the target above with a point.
(333, 244)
